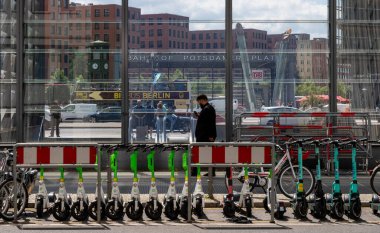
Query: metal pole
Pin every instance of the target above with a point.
(14, 185)
(20, 71)
(99, 184)
(189, 205)
(333, 88)
(210, 181)
(124, 73)
(272, 193)
(229, 79)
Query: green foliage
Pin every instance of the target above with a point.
(58, 89)
(311, 90)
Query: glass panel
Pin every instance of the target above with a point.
(72, 70)
(358, 54)
(179, 55)
(8, 71)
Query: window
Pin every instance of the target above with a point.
(142, 33)
(52, 57)
(193, 37)
(118, 26)
(133, 27)
(200, 45)
(118, 37)
(208, 36)
(79, 26)
(159, 32)
(106, 37)
(96, 26)
(65, 58)
(106, 26)
(66, 31)
(52, 44)
(159, 44)
(208, 46)
(159, 21)
(170, 43)
(106, 12)
(88, 13)
(215, 36)
(183, 34)
(97, 12)
(174, 33)
(151, 44)
(151, 32)
(79, 14)
(142, 45)
(88, 26)
(117, 12)
(133, 40)
(170, 32)
(97, 37)
(52, 29)
(178, 34)
(200, 36)
(193, 45)
(215, 45)
(59, 31)
(151, 21)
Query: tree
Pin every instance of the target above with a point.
(311, 90)
(58, 88)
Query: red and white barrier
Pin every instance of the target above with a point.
(231, 154)
(30, 155)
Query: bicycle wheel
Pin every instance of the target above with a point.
(6, 192)
(375, 180)
(287, 182)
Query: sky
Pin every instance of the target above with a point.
(273, 16)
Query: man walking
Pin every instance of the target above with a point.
(55, 111)
(205, 130)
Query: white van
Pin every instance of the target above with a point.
(220, 104)
(77, 111)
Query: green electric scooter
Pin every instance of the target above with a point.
(335, 204)
(134, 208)
(171, 209)
(352, 203)
(299, 202)
(153, 208)
(317, 200)
(182, 200)
(114, 206)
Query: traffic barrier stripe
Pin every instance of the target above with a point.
(56, 155)
(230, 154)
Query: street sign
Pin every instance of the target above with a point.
(257, 75)
(133, 95)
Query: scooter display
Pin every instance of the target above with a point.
(299, 202)
(317, 200)
(43, 199)
(352, 203)
(134, 208)
(79, 208)
(61, 207)
(335, 205)
(279, 206)
(198, 196)
(171, 209)
(153, 208)
(114, 206)
(182, 200)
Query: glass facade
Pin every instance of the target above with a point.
(73, 64)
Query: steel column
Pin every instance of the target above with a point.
(229, 78)
(20, 71)
(333, 87)
(124, 74)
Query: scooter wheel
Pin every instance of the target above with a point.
(265, 204)
(169, 210)
(300, 210)
(154, 214)
(337, 209)
(248, 207)
(40, 207)
(77, 213)
(113, 212)
(229, 209)
(320, 210)
(198, 210)
(132, 213)
(59, 214)
(356, 209)
(183, 209)
(92, 211)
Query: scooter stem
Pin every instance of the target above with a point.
(114, 164)
(184, 165)
(171, 164)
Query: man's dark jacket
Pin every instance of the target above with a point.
(206, 124)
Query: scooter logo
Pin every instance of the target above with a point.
(300, 187)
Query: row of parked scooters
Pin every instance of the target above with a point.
(174, 205)
(114, 207)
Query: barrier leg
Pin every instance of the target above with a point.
(189, 204)
(98, 203)
(210, 187)
(272, 197)
(14, 188)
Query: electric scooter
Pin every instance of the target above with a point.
(114, 206)
(171, 209)
(79, 209)
(279, 206)
(198, 196)
(92, 208)
(182, 200)
(317, 200)
(246, 196)
(43, 199)
(299, 202)
(335, 205)
(153, 208)
(134, 208)
(352, 203)
(61, 207)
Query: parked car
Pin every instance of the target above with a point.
(77, 111)
(283, 120)
(106, 114)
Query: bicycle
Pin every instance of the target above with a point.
(25, 183)
(285, 170)
(375, 179)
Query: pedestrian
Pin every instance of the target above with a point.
(160, 120)
(55, 112)
(205, 130)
